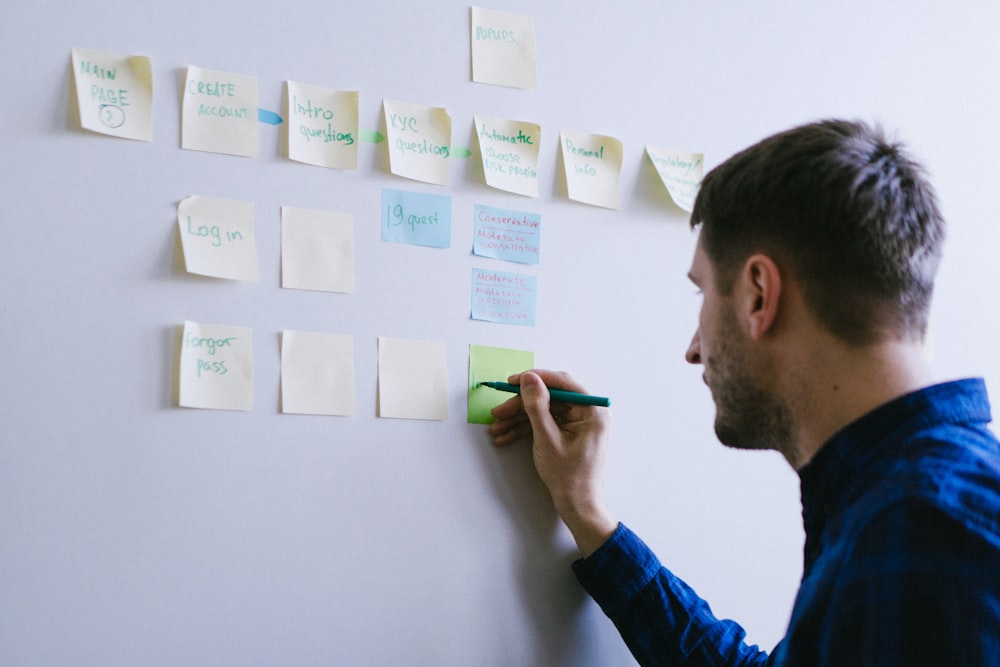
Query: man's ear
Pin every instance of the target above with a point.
(761, 294)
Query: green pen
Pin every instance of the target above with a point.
(559, 395)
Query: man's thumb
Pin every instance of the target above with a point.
(535, 396)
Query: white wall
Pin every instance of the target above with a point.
(136, 532)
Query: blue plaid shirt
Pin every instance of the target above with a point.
(902, 555)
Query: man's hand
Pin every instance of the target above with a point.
(569, 444)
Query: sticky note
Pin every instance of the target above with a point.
(500, 296)
(219, 113)
(412, 379)
(492, 364)
(504, 234)
(509, 150)
(216, 370)
(419, 141)
(593, 164)
(317, 373)
(217, 236)
(416, 218)
(680, 173)
(503, 48)
(317, 250)
(114, 93)
(322, 126)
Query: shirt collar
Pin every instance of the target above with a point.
(826, 480)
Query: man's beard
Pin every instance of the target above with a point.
(748, 416)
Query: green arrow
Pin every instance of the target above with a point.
(371, 136)
(460, 151)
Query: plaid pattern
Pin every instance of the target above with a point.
(902, 556)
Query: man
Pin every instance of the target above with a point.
(816, 259)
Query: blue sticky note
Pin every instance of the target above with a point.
(508, 298)
(416, 218)
(505, 234)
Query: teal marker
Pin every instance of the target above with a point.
(559, 395)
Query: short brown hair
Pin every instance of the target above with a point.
(848, 212)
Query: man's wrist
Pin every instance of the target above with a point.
(590, 525)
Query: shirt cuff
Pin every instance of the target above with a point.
(619, 569)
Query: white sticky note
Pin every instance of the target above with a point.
(412, 379)
(593, 165)
(219, 113)
(218, 237)
(680, 173)
(317, 250)
(503, 48)
(322, 126)
(419, 141)
(317, 373)
(509, 149)
(216, 369)
(114, 93)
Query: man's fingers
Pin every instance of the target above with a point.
(510, 430)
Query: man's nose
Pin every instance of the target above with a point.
(693, 355)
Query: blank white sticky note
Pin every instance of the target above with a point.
(216, 367)
(680, 173)
(219, 113)
(593, 164)
(509, 149)
(317, 250)
(322, 126)
(503, 48)
(114, 93)
(412, 379)
(419, 141)
(317, 373)
(217, 236)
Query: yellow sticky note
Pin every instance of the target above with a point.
(593, 164)
(322, 126)
(317, 373)
(419, 141)
(219, 113)
(492, 364)
(503, 48)
(680, 173)
(114, 93)
(216, 370)
(509, 149)
(317, 250)
(412, 379)
(218, 237)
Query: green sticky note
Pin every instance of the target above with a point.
(491, 364)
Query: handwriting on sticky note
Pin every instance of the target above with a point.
(419, 141)
(219, 113)
(510, 235)
(217, 236)
(114, 93)
(216, 370)
(593, 168)
(322, 126)
(503, 48)
(510, 154)
(416, 218)
(680, 173)
(500, 296)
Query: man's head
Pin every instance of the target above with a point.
(844, 211)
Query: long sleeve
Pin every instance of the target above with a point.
(661, 619)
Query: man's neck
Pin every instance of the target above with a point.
(840, 383)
